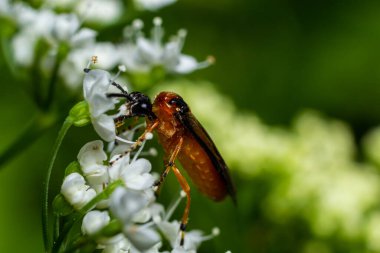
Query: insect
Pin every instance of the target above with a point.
(182, 137)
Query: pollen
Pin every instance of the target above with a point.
(94, 59)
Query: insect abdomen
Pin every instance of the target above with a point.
(201, 170)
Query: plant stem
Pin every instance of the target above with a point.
(45, 209)
(7, 55)
(56, 226)
(52, 84)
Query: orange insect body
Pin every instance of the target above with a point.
(183, 138)
(192, 155)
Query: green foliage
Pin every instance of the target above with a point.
(72, 168)
(61, 207)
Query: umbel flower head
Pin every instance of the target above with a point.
(142, 54)
(62, 40)
(131, 205)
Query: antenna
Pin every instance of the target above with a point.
(118, 95)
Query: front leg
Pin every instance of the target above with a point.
(139, 141)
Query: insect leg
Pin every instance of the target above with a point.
(186, 188)
(157, 185)
(139, 141)
(149, 129)
(168, 165)
(119, 121)
(184, 185)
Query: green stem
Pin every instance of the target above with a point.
(45, 210)
(7, 55)
(56, 226)
(39, 125)
(36, 77)
(101, 196)
(52, 83)
(77, 245)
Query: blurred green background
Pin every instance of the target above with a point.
(306, 182)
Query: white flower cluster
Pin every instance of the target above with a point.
(64, 32)
(141, 54)
(133, 204)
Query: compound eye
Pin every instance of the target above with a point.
(173, 101)
(144, 106)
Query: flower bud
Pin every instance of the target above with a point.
(94, 221)
(76, 192)
(80, 114)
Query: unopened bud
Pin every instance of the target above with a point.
(80, 114)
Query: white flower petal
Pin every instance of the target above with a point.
(186, 64)
(65, 26)
(141, 54)
(42, 24)
(171, 55)
(91, 153)
(131, 59)
(107, 54)
(95, 87)
(101, 11)
(153, 5)
(148, 52)
(120, 150)
(83, 37)
(125, 204)
(76, 192)
(117, 167)
(143, 238)
(99, 104)
(179, 250)
(94, 221)
(71, 70)
(193, 239)
(96, 174)
(24, 14)
(157, 210)
(143, 216)
(139, 182)
(105, 127)
(139, 166)
(170, 230)
(96, 81)
(23, 44)
(136, 176)
(5, 8)
(119, 246)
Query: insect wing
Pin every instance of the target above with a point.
(202, 137)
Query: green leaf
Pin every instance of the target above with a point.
(72, 168)
(113, 228)
(61, 207)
